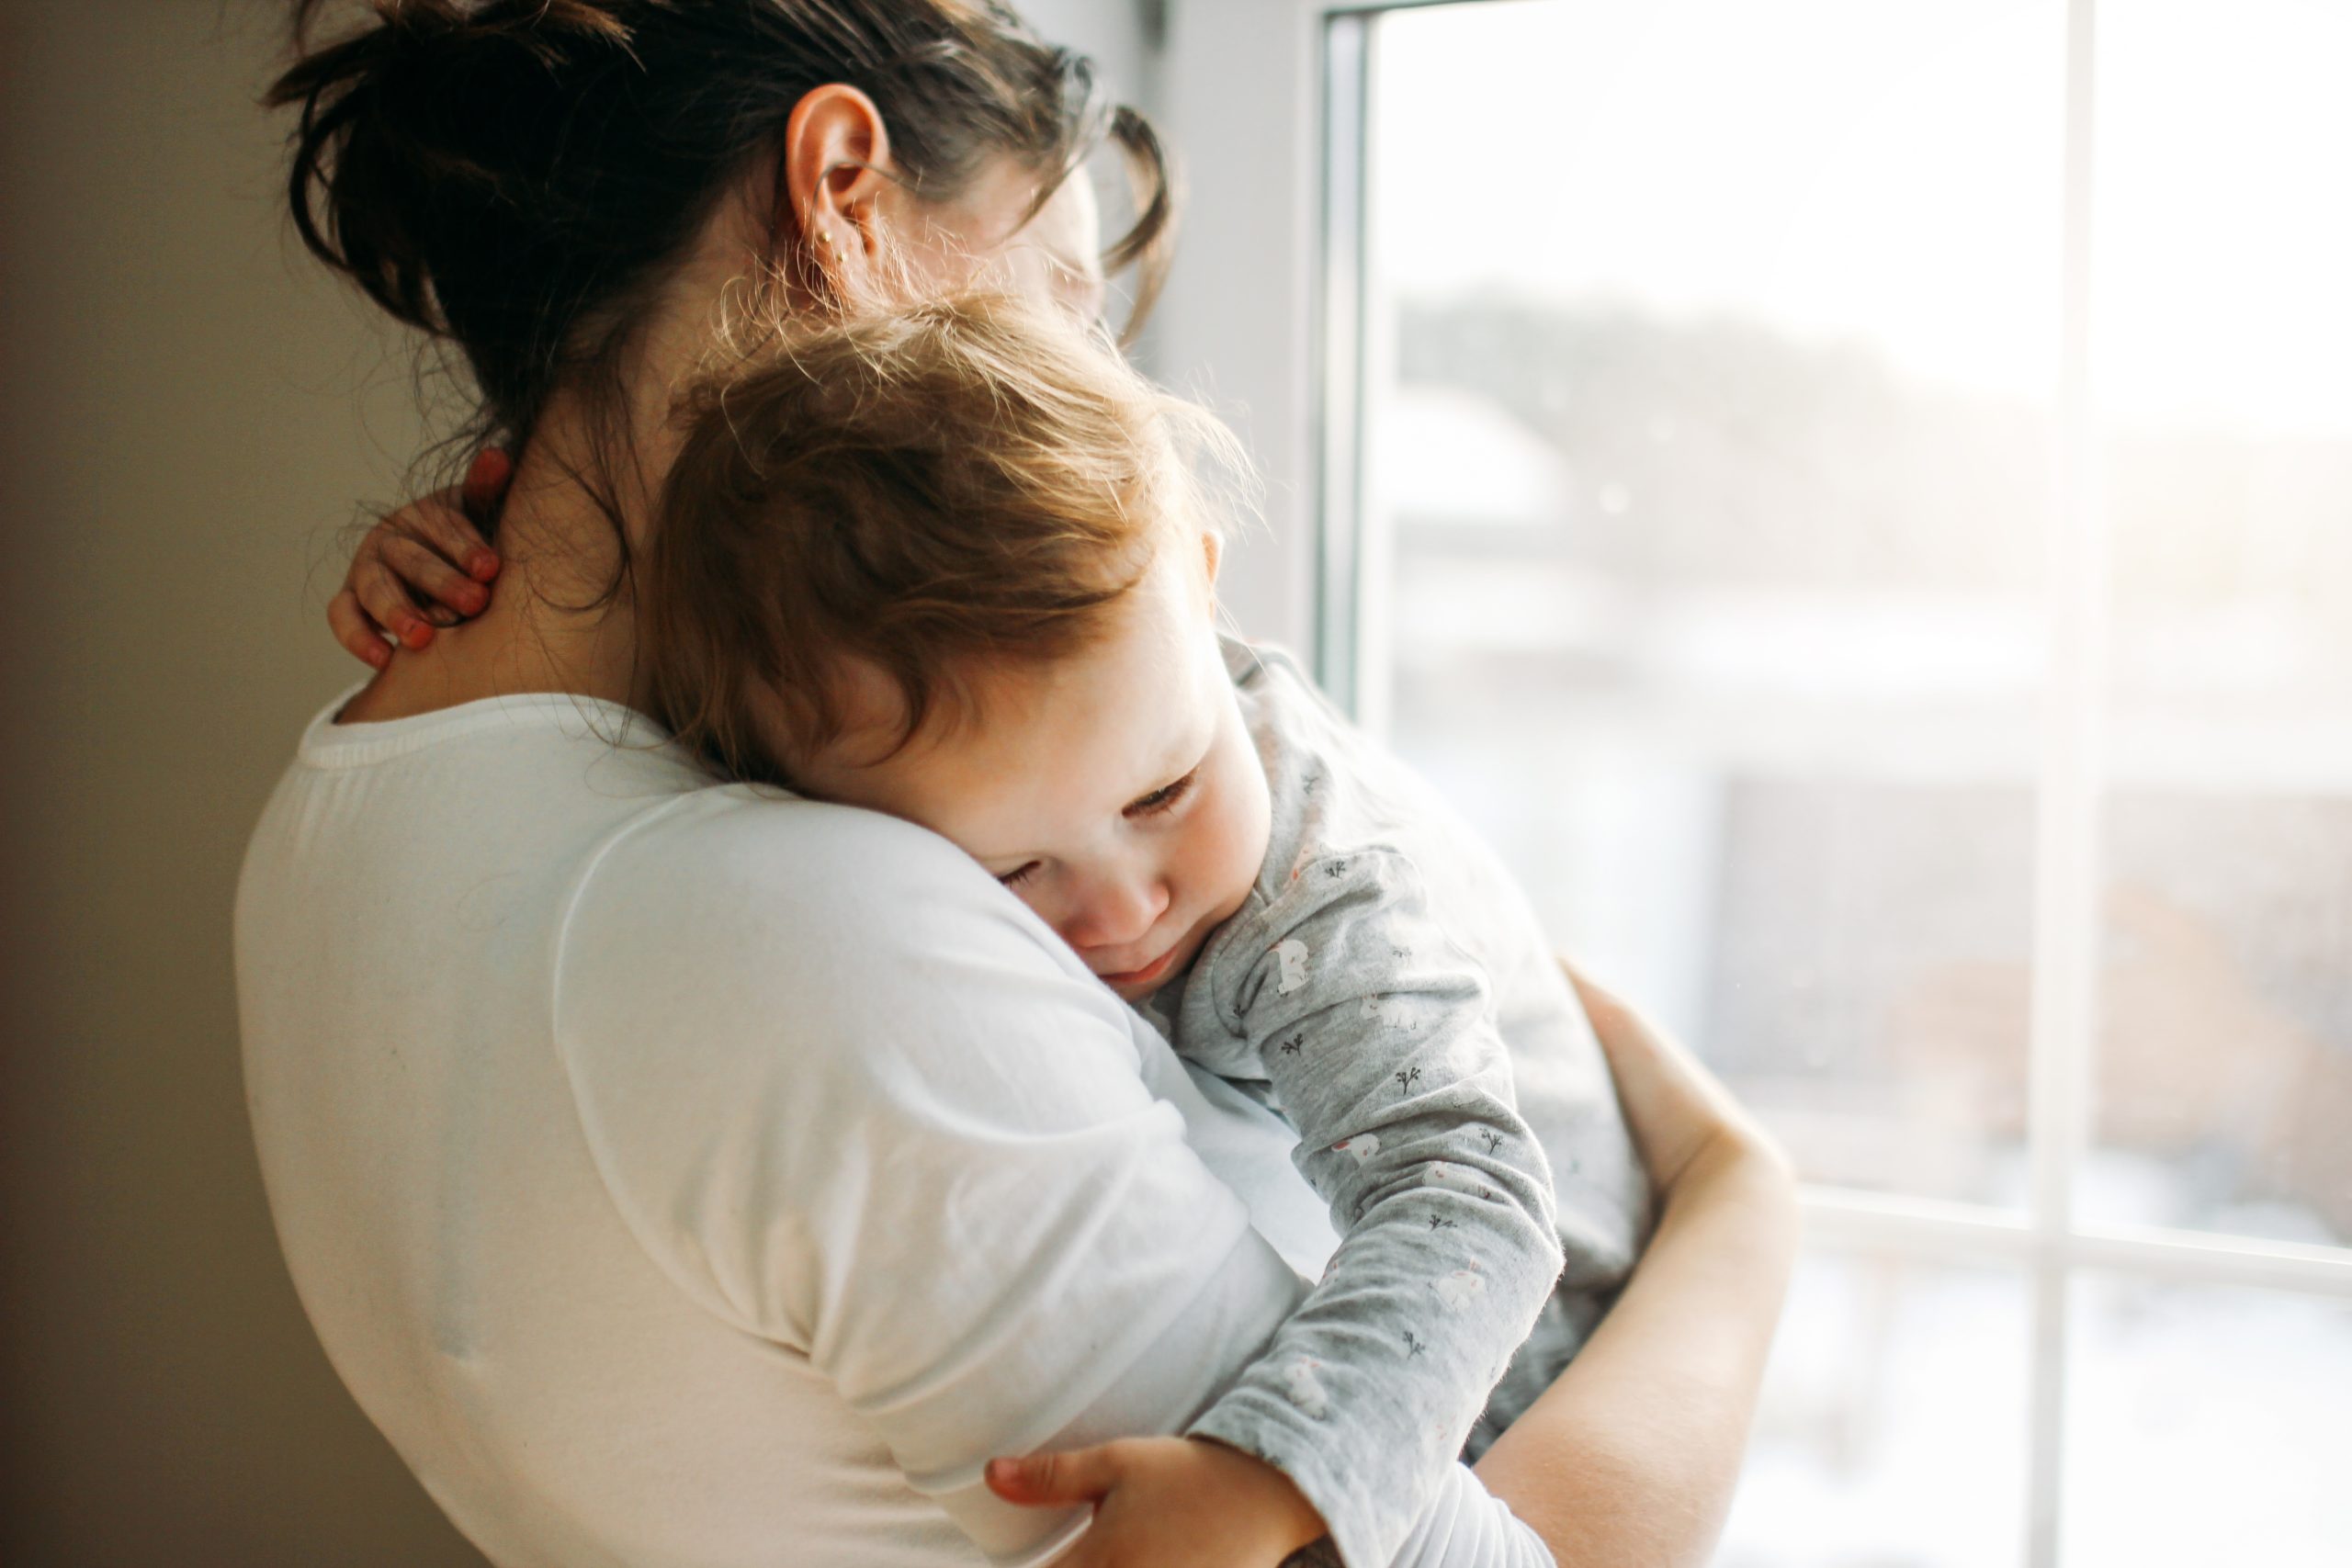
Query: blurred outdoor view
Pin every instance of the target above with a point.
(1711, 355)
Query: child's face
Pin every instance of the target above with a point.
(1117, 792)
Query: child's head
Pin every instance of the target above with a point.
(955, 564)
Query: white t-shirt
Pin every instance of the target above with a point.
(682, 1176)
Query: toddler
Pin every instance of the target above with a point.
(957, 564)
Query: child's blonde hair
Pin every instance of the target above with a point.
(956, 485)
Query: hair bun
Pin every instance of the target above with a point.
(412, 129)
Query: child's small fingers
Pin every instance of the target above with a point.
(487, 477)
(439, 523)
(385, 598)
(1078, 1476)
(434, 578)
(359, 635)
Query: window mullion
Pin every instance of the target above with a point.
(2068, 925)
(1937, 1231)
(1341, 391)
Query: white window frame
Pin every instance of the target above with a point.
(1263, 100)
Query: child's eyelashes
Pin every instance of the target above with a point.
(1163, 798)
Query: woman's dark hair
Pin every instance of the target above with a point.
(516, 176)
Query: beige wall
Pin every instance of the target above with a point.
(189, 422)
(188, 411)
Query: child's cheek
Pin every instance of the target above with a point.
(1243, 823)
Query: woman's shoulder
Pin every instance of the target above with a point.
(761, 844)
(731, 869)
(733, 937)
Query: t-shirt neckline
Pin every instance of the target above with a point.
(329, 744)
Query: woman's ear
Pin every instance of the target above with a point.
(1211, 552)
(831, 171)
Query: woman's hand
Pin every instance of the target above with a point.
(1166, 1502)
(423, 567)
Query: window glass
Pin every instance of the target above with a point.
(2206, 1425)
(1697, 521)
(2225, 1055)
(1709, 351)
(2224, 362)
(1893, 1423)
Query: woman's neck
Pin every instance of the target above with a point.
(560, 617)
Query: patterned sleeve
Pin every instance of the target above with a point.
(1379, 1035)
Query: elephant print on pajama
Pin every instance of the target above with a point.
(1291, 955)
(1459, 1289)
(1304, 1390)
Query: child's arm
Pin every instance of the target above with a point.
(1377, 1033)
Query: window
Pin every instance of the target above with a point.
(1856, 501)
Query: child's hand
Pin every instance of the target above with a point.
(1166, 1502)
(423, 567)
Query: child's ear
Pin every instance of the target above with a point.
(1211, 552)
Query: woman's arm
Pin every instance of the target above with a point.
(1629, 1460)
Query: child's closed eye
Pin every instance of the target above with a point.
(1163, 798)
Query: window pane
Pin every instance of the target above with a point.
(2224, 338)
(1893, 1421)
(2206, 1425)
(2225, 1064)
(1707, 436)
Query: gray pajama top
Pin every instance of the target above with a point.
(1386, 988)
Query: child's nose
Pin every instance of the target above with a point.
(1117, 911)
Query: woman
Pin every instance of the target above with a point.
(680, 1175)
